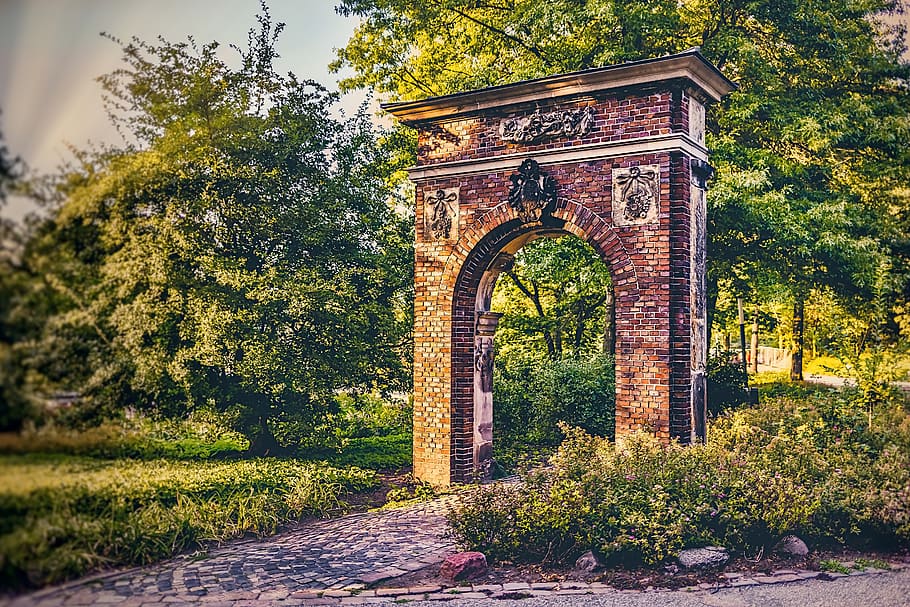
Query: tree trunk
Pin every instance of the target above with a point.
(609, 345)
(265, 443)
(796, 366)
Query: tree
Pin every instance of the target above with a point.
(810, 152)
(555, 292)
(240, 250)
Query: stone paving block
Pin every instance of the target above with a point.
(487, 587)
(512, 586)
(423, 589)
(365, 600)
(336, 593)
(743, 581)
(783, 579)
(390, 591)
(440, 596)
(569, 585)
(543, 585)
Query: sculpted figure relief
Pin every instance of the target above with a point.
(536, 126)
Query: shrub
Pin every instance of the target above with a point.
(532, 395)
(811, 466)
(138, 437)
(727, 384)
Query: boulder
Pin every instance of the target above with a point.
(710, 557)
(464, 566)
(588, 562)
(791, 546)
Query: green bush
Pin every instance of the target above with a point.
(727, 384)
(532, 395)
(812, 466)
(61, 517)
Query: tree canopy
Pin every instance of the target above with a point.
(240, 250)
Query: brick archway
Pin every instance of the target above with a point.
(613, 155)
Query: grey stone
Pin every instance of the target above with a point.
(710, 557)
(588, 562)
(790, 545)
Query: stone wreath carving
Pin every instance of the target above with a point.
(533, 192)
(559, 123)
(636, 195)
(441, 213)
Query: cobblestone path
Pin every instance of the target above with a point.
(347, 552)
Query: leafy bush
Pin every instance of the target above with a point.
(727, 384)
(61, 517)
(532, 395)
(811, 466)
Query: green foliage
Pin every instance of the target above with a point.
(63, 517)
(533, 394)
(727, 384)
(371, 452)
(202, 436)
(241, 252)
(553, 300)
(412, 490)
(812, 467)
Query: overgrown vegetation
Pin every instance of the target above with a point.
(61, 517)
(811, 465)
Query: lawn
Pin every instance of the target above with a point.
(62, 516)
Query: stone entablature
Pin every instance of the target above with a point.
(624, 182)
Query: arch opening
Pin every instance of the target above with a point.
(477, 314)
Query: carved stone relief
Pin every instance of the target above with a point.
(636, 195)
(533, 192)
(550, 125)
(440, 213)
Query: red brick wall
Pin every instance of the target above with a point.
(649, 265)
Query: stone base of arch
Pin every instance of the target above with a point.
(621, 164)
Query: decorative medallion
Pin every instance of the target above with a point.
(440, 213)
(537, 126)
(636, 195)
(533, 192)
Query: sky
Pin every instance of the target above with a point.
(51, 52)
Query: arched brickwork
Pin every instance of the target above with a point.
(615, 156)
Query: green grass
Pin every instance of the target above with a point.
(372, 452)
(64, 516)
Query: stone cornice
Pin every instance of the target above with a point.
(689, 65)
(674, 142)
